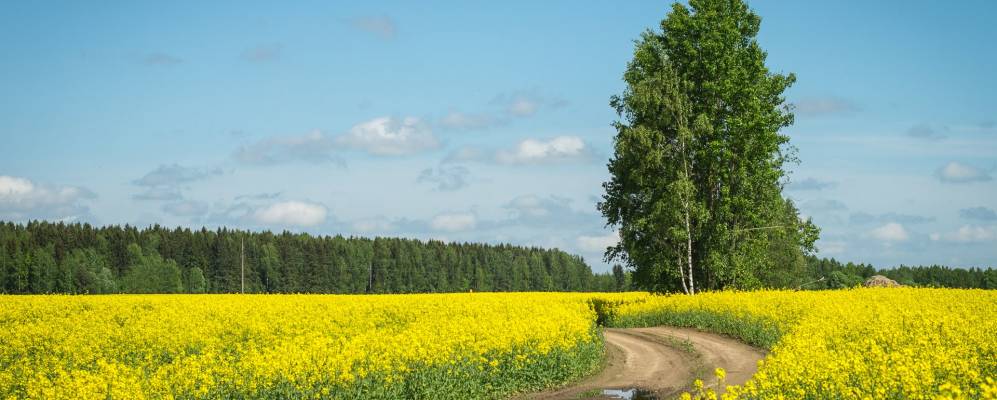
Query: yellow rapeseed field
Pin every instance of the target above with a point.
(860, 343)
(292, 346)
(851, 344)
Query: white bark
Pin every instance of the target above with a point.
(685, 288)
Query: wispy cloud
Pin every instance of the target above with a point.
(820, 206)
(927, 132)
(159, 194)
(526, 103)
(978, 213)
(956, 172)
(860, 218)
(533, 210)
(259, 196)
(453, 222)
(374, 225)
(291, 213)
(503, 109)
(174, 174)
(597, 243)
(187, 208)
(811, 184)
(263, 53)
(456, 120)
(967, 234)
(445, 178)
(381, 26)
(383, 136)
(161, 60)
(313, 147)
(527, 152)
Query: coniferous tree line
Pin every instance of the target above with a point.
(828, 273)
(45, 257)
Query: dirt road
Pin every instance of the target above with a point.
(660, 362)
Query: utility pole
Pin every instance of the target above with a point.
(242, 262)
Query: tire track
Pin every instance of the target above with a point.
(661, 362)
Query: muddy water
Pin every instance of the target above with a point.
(629, 394)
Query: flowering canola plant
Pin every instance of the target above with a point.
(293, 346)
(860, 343)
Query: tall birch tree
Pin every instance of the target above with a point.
(696, 178)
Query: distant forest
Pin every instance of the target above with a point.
(44, 257)
(838, 275)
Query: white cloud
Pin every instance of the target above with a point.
(598, 244)
(21, 199)
(389, 136)
(291, 213)
(12, 186)
(956, 172)
(453, 222)
(535, 151)
(967, 234)
(891, 232)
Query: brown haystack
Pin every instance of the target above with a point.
(880, 281)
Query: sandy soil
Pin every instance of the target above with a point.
(661, 362)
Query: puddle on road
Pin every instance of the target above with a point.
(629, 394)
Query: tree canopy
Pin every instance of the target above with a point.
(699, 160)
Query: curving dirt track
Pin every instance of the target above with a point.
(661, 362)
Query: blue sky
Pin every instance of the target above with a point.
(475, 122)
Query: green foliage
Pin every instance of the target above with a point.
(89, 271)
(698, 164)
(46, 257)
(150, 273)
(843, 280)
(752, 330)
(197, 282)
